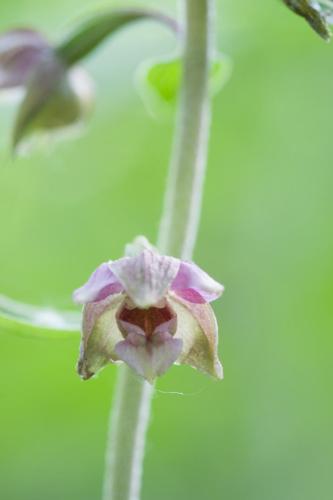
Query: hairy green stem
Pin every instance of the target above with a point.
(128, 425)
(182, 205)
(177, 235)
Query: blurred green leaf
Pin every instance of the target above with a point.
(159, 82)
(95, 30)
(315, 13)
(28, 320)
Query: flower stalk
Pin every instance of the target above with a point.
(128, 425)
(177, 235)
(182, 206)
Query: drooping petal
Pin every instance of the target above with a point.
(195, 285)
(100, 334)
(146, 278)
(100, 285)
(197, 328)
(149, 358)
(20, 53)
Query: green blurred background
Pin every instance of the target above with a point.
(265, 432)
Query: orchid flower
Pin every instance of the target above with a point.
(149, 311)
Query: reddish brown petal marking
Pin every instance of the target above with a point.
(146, 319)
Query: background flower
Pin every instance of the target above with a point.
(55, 98)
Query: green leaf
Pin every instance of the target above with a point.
(159, 82)
(32, 321)
(95, 30)
(220, 73)
(315, 13)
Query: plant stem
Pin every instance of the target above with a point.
(182, 204)
(177, 235)
(128, 425)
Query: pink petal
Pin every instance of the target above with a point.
(146, 277)
(149, 359)
(100, 285)
(22, 37)
(20, 53)
(194, 285)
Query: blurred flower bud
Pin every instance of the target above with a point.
(317, 13)
(20, 52)
(56, 97)
(149, 311)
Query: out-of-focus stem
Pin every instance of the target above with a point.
(128, 425)
(182, 204)
(177, 235)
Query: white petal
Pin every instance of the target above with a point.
(146, 277)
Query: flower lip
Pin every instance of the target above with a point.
(148, 322)
(149, 358)
(149, 347)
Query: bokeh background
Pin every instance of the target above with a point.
(265, 432)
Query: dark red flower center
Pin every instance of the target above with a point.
(146, 319)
